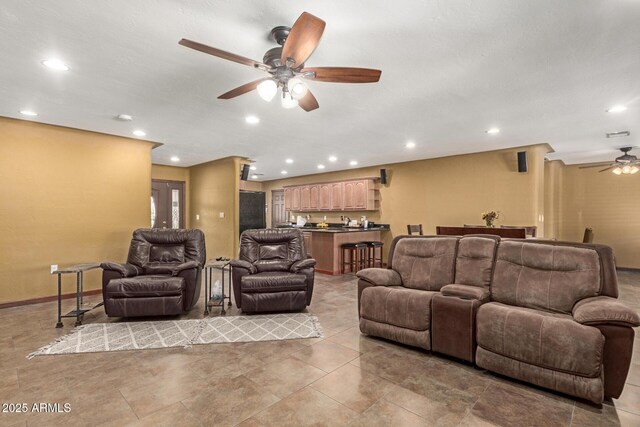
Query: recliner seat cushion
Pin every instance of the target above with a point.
(547, 277)
(273, 281)
(548, 340)
(425, 263)
(145, 286)
(397, 306)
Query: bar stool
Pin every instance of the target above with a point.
(357, 253)
(374, 253)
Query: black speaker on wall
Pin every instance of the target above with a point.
(245, 172)
(522, 161)
(383, 176)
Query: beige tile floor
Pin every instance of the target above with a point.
(343, 379)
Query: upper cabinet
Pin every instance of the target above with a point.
(351, 195)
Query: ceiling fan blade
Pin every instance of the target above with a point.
(599, 165)
(303, 39)
(606, 169)
(344, 74)
(308, 102)
(241, 90)
(223, 54)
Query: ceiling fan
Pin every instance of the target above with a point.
(627, 164)
(285, 64)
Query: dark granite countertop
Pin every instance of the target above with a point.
(340, 229)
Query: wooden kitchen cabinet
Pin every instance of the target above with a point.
(350, 195)
(308, 240)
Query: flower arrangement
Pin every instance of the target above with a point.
(490, 216)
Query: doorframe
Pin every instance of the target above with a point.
(183, 208)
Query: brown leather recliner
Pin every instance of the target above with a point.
(162, 275)
(273, 272)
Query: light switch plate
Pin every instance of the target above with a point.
(54, 268)
(197, 217)
(221, 215)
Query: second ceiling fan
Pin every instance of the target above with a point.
(285, 64)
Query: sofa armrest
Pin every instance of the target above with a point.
(126, 270)
(466, 292)
(604, 310)
(302, 264)
(238, 263)
(184, 266)
(380, 276)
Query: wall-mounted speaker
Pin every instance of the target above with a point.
(522, 161)
(383, 176)
(245, 172)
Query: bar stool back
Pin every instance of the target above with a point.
(354, 256)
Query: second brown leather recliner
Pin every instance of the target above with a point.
(273, 272)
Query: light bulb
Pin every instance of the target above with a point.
(288, 101)
(626, 169)
(617, 171)
(267, 89)
(297, 88)
(634, 169)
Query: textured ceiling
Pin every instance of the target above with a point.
(542, 71)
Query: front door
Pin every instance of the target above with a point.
(167, 204)
(278, 212)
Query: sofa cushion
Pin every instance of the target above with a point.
(548, 340)
(545, 276)
(273, 281)
(474, 260)
(398, 306)
(425, 263)
(145, 286)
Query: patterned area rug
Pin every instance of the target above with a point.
(99, 337)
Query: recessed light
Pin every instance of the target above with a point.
(252, 168)
(28, 113)
(353, 163)
(410, 144)
(320, 166)
(617, 109)
(175, 159)
(252, 120)
(254, 176)
(289, 161)
(283, 172)
(493, 130)
(139, 133)
(55, 64)
(333, 158)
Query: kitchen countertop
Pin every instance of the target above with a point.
(340, 230)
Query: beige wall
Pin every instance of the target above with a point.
(68, 196)
(215, 189)
(448, 191)
(174, 173)
(609, 204)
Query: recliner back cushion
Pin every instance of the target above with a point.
(425, 263)
(268, 244)
(474, 261)
(166, 253)
(273, 251)
(545, 276)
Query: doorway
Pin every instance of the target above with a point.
(167, 204)
(278, 212)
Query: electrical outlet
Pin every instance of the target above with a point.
(54, 268)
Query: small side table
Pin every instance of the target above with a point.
(210, 300)
(79, 270)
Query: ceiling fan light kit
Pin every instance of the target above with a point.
(627, 164)
(286, 64)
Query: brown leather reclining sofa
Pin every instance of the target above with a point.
(161, 275)
(540, 311)
(273, 272)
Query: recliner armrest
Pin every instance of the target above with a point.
(184, 266)
(302, 264)
(126, 270)
(466, 292)
(239, 263)
(604, 310)
(380, 276)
